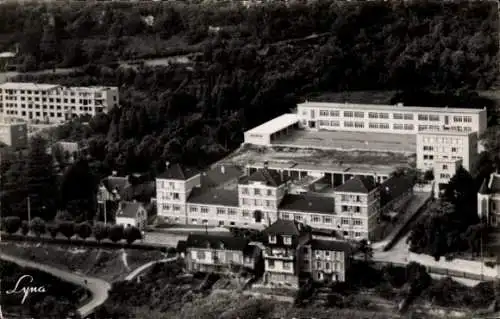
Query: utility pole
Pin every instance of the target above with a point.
(105, 213)
(29, 210)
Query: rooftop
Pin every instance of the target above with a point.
(494, 185)
(276, 124)
(394, 187)
(221, 197)
(357, 184)
(216, 242)
(27, 86)
(178, 172)
(329, 245)
(308, 203)
(283, 227)
(385, 107)
(128, 209)
(263, 175)
(220, 175)
(345, 140)
(446, 132)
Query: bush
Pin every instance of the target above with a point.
(11, 224)
(37, 226)
(83, 230)
(25, 228)
(132, 234)
(67, 229)
(100, 231)
(115, 233)
(53, 230)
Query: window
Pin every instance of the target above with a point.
(348, 114)
(397, 126)
(359, 124)
(423, 117)
(286, 266)
(315, 219)
(272, 239)
(335, 123)
(345, 221)
(323, 113)
(453, 149)
(232, 211)
(434, 118)
(383, 115)
(244, 190)
(327, 253)
(193, 209)
(221, 211)
(269, 192)
(176, 207)
(397, 116)
(467, 119)
(298, 217)
(318, 265)
(193, 221)
(445, 166)
(256, 191)
(245, 213)
(327, 266)
(270, 263)
(175, 195)
(204, 210)
(357, 234)
(348, 124)
(334, 113)
(327, 220)
(457, 119)
(359, 114)
(287, 240)
(408, 117)
(285, 216)
(373, 115)
(200, 255)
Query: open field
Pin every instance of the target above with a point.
(348, 141)
(355, 161)
(107, 264)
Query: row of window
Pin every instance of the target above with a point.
(258, 203)
(315, 219)
(256, 191)
(353, 198)
(59, 91)
(442, 140)
(441, 148)
(37, 114)
(395, 116)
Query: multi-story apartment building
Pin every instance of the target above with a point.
(292, 253)
(54, 103)
(13, 133)
(263, 197)
(389, 118)
(218, 254)
(446, 145)
(488, 200)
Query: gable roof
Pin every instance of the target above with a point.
(308, 203)
(270, 178)
(115, 182)
(141, 192)
(216, 242)
(283, 227)
(178, 172)
(484, 189)
(128, 209)
(394, 187)
(214, 197)
(220, 175)
(358, 184)
(495, 184)
(330, 245)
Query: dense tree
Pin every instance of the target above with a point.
(37, 226)
(11, 224)
(53, 230)
(132, 234)
(67, 229)
(25, 227)
(100, 231)
(115, 233)
(366, 249)
(83, 230)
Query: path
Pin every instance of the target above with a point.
(142, 268)
(256, 295)
(124, 259)
(98, 288)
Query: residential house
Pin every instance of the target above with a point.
(131, 214)
(219, 254)
(128, 188)
(488, 200)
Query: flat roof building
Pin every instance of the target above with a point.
(446, 145)
(13, 133)
(54, 103)
(265, 133)
(389, 118)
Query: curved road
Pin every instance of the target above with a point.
(98, 288)
(139, 270)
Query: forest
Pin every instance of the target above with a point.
(251, 64)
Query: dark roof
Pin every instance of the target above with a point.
(214, 197)
(216, 242)
(268, 177)
(128, 209)
(283, 227)
(394, 187)
(330, 245)
(142, 192)
(358, 184)
(178, 172)
(220, 175)
(308, 203)
(181, 246)
(115, 182)
(251, 251)
(495, 184)
(484, 187)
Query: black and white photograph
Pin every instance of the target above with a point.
(249, 159)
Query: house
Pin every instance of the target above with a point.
(133, 187)
(395, 192)
(219, 254)
(131, 214)
(292, 253)
(263, 197)
(488, 200)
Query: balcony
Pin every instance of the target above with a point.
(268, 253)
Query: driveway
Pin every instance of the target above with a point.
(98, 288)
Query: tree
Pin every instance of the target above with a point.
(429, 175)
(83, 230)
(25, 227)
(37, 226)
(67, 229)
(132, 234)
(366, 249)
(11, 224)
(63, 216)
(53, 230)
(100, 231)
(115, 233)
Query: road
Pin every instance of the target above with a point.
(139, 270)
(99, 288)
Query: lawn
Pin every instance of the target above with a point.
(107, 264)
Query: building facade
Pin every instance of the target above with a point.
(131, 214)
(14, 134)
(389, 118)
(443, 171)
(488, 200)
(262, 198)
(52, 103)
(446, 145)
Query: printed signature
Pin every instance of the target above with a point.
(22, 287)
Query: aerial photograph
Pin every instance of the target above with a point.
(249, 159)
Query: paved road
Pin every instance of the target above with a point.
(142, 268)
(98, 288)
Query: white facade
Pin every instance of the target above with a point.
(172, 195)
(447, 145)
(53, 103)
(389, 118)
(444, 170)
(14, 134)
(258, 196)
(265, 133)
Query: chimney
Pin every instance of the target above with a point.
(167, 164)
(223, 169)
(114, 173)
